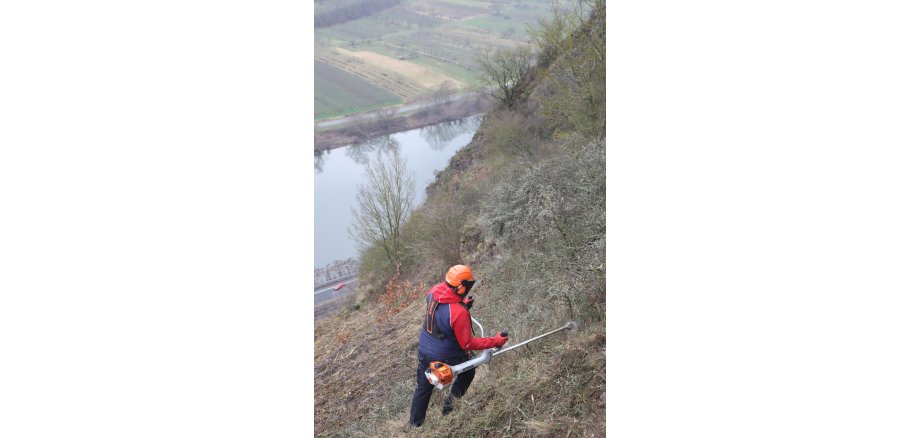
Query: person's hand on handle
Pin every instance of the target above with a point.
(500, 338)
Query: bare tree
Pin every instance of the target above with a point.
(504, 72)
(367, 126)
(385, 116)
(441, 95)
(384, 204)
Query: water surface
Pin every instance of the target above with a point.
(338, 173)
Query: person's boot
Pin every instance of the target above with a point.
(448, 405)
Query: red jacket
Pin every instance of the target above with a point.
(453, 320)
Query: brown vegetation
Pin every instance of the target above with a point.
(529, 218)
(398, 295)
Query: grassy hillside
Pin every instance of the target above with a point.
(523, 205)
(410, 47)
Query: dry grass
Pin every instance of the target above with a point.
(365, 375)
(365, 364)
(395, 83)
(355, 379)
(537, 241)
(529, 282)
(421, 75)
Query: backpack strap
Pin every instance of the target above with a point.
(431, 325)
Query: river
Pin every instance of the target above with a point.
(338, 173)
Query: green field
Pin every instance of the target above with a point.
(439, 38)
(501, 25)
(338, 93)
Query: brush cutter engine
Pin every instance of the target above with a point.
(441, 374)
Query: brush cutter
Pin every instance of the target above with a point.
(440, 374)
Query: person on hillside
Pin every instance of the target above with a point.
(447, 336)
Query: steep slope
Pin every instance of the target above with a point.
(523, 205)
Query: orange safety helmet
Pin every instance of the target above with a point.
(460, 278)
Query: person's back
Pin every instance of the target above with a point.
(447, 336)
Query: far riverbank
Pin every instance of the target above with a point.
(385, 122)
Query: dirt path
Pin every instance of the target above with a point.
(399, 110)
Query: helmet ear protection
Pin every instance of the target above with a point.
(460, 279)
(465, 287)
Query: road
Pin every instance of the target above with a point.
(322, 285)
(329, 293)
(401, 110)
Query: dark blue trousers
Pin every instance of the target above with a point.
(422, 394)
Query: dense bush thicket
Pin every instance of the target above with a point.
(548, 227)
(510, 134)
(437, 229)
(571, 67)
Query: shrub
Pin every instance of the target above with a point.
(549, 226)
(436, 230)
(573, 62)
(398, 294)
(508, 133)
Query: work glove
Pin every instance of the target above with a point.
(468, 302)
(500, 338)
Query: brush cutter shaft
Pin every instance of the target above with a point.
(505, 350)
(485, 357)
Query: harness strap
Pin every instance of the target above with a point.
(430, 324)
